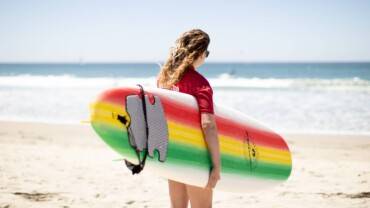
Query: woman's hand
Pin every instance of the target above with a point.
(214, 177)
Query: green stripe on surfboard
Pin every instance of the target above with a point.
(230, 164)
(184, 154)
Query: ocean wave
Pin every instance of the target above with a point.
(66, 98)
(71, 81)
(223, 81)
(229, 81)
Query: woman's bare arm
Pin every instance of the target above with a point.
(209, 128)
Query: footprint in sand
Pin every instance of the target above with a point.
(359, 195)
(34, 196)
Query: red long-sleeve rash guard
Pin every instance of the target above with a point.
(195, 84)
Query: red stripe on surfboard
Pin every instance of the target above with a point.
(189, 116)
(117, 96)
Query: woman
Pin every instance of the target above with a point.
(179, 73)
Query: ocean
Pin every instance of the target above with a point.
(287, 97)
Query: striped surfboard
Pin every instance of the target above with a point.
(253, 157)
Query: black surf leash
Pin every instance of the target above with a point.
(137, 168)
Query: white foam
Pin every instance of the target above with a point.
(223, 81)
(227, 81)
(338, 105)
(70, 81)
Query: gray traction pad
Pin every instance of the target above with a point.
(137, 124)
(157, 126)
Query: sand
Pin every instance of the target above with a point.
(54, 165)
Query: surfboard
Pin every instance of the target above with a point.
(253, 157)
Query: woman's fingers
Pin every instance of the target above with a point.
(213, 179)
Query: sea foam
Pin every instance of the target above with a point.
(284, 104)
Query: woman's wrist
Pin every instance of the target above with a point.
(216, 166)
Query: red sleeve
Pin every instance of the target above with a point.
(203, 95)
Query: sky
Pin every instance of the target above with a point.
(144, 31)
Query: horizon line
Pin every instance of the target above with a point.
(209, 62)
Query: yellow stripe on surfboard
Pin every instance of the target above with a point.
(228, 145)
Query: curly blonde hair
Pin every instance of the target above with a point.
(189, 46)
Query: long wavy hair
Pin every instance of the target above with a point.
(189, 46)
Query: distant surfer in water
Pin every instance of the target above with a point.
(179, 74)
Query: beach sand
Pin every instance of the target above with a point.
(54, 165)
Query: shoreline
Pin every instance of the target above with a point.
(68, 165)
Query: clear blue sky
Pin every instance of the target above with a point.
(124, 31)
